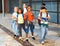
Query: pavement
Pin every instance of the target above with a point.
(6, 40)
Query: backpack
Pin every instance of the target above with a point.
(41, 16)
(20, 21)
(22, 15)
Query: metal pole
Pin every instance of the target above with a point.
(57, 12)
(3, 7)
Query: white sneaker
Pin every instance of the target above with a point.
(45, 41)
(20, 37)
(42, 42)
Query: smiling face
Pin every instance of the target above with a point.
(20, 11)
(29, 8)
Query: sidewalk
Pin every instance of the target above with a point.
(6, 40)
(52, 37)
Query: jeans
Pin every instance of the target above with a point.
(43, 32)
(15, 28)
(31, 28)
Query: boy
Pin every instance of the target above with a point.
(43, 16)
(29, 17)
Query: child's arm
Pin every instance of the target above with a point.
(48, 17)
(33, 18)
(25, 16)
(13, 17)
(39, 16)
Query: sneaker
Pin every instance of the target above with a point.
(27, 40)
(42, 42)
(33, 38)
(46, 41)
(14, 36)
(20, 38)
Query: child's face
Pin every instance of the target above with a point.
(43, 10)
(29, 8)
(15, 9)
(19, 11)
(24, 5)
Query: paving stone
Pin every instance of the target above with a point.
(52, 38)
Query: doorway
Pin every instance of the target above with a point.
(0, 6)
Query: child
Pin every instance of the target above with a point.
(29, 17)
(20, 22)
(14, 24)
(24, 8)
(43, 16)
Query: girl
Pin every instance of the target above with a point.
(24, 8)
(20, 22)
(29, 17)
(14, 24)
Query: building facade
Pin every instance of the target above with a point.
(9, 5)
(53, 7)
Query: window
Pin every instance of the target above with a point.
(59, 6)
(53, 17)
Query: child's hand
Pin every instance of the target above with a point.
(43, 20)
(34, 20)
(48, 17)
(28, 22)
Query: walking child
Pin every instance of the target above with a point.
(24, 8)
(14, 21)
(43, 16)
(20, 21)
(29, 17)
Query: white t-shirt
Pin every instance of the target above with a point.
(20, 19)
(15, 15)
(24, 10)
(44, 16)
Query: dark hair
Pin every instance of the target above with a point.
(20, 9)
(43, 4)
(43, 8)
(29, 6)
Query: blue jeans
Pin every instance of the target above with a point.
(43, 32)
(31, 28)
(15, 28)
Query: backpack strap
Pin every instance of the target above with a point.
(23, 15)
(40, 14)
(46, 14)
(17, 15)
